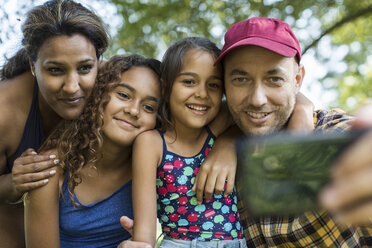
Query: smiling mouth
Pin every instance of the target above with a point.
(256, 115)
(126, 123)
(197, 107)
(72, 100)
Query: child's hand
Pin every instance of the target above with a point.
(302, 116)
(127, 223)
(133, 244)
(218, 167)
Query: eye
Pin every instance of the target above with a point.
(149, 108)
(276, 80)
(123, 95)
(188, 82)
(214, 85)
(55, 70)
(85, 69)
(240, 79)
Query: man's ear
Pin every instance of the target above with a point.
(299, 77)
(32, 66)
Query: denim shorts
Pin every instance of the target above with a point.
(179, 243)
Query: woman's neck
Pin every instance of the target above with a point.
(49, 118)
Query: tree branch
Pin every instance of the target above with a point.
(349, 18)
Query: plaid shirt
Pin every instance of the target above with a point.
(311, 229)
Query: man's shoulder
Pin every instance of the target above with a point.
(334, 120)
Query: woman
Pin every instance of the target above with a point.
(48, 80)
(81, 206)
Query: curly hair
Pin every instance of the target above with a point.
(171, 66)
(78, 141)
(55, 18)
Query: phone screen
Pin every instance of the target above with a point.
(283, 173)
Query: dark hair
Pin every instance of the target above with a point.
(78, 141)
(54, 18)
(171, 66)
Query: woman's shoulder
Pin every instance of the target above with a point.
(22, 84)
(15, 102)
(16, 94)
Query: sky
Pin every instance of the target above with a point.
(12, 43)
(311, 86)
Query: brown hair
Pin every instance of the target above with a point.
(54, 18)
(78, 141)
(171, 66)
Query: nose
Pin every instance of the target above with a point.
(132, 108)
(202, 91)
(71, 84)
(258, 96)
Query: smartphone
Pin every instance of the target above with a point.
(281, 174)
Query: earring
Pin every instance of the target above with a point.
(33, 73)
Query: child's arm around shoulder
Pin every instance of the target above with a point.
(41, 208)
(147, 154)
(214, 172)
(218, 167)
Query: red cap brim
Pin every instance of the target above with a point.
(271, 45)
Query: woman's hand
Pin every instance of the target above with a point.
(31, 171)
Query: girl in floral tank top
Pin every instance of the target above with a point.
(166, 161)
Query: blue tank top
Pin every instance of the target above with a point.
(94, 225)
(33, 134)
(179, 213)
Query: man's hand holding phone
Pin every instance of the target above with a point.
(349, 195)
(283, 173)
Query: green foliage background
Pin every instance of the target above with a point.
(338, 33)
(148, 27)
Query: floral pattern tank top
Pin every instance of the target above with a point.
(179, 213)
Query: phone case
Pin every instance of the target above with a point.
(283, 173)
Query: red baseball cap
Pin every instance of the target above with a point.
(272, 34)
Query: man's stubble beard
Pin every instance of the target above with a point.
(281, 121)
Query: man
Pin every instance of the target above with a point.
(263, 74)
(261, 59)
